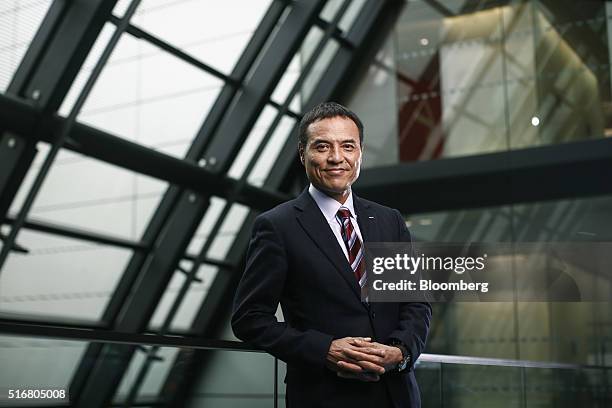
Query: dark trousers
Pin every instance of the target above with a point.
(375, 395)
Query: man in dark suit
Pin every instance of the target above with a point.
(307, 255)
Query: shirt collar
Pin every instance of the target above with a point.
(329, 207)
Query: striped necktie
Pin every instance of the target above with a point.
(354, 249)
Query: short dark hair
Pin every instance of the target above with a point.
(326, 110)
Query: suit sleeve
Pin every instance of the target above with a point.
(257, 298)
(415, 317)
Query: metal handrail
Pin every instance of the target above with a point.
(20, 327)
(500, 362)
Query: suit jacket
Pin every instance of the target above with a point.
(294, 258)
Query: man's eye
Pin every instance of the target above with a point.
(349, 147)
(321, 148)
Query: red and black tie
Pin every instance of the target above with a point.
(354, 249)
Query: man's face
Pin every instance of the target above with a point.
(332, 156)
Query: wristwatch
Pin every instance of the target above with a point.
(401, 366)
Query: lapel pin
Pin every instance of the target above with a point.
(371, 218)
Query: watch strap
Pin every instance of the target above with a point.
(401, 366)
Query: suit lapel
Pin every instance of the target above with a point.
(366, 220)
(314, 223)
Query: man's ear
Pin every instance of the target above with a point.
(301, 153)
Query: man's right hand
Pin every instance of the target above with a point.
(351, 359)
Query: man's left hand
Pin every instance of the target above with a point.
(391, 355)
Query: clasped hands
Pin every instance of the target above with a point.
(361, 359)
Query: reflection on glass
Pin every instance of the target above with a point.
(227, 234)
(189, 304)
(481, 386)
(566, 388)
(429, 377)
(570, 332)
(160, 363)
(251, 384)
(36, 363)
(474, 78)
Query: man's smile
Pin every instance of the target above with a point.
(335, 172)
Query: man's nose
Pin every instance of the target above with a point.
(335, 155)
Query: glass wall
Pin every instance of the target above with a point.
(570, 332)
(459, 78)
(149, 96)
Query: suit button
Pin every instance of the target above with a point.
(373, 315)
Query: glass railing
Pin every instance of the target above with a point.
(40, 361)
(461, 381)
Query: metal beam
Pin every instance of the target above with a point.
(229, 132)
(44, 75)
(21, 117)
(519, 176)
(61, 137)
(235, 126)
(77, 233)
(258, 78)
(43, 78)
(172, 195)
(169, 48)
(56, 331)
(49, 331)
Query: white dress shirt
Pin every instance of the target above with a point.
(329, 207)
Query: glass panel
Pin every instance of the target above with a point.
(32, 363)
(156, 374)
(282, 90)
(323, 60)
(429, 377)
(190, 304)
(206, 225)
(91, 195)
(213, 33)
(252, 383)
(193, 298)
(379, 119)
(482, 77)
(129, 376)
(162, 103)
(159, 370)
(473, 329)
(121, 7)
(562, 388)
(348, 18)
(59, 278)
(227, 234)
(19, 21)
(295, 68)
(291, 74)
(572, 332)
(270, 153)
(252, 142)
(167, 299)
(481, 386)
